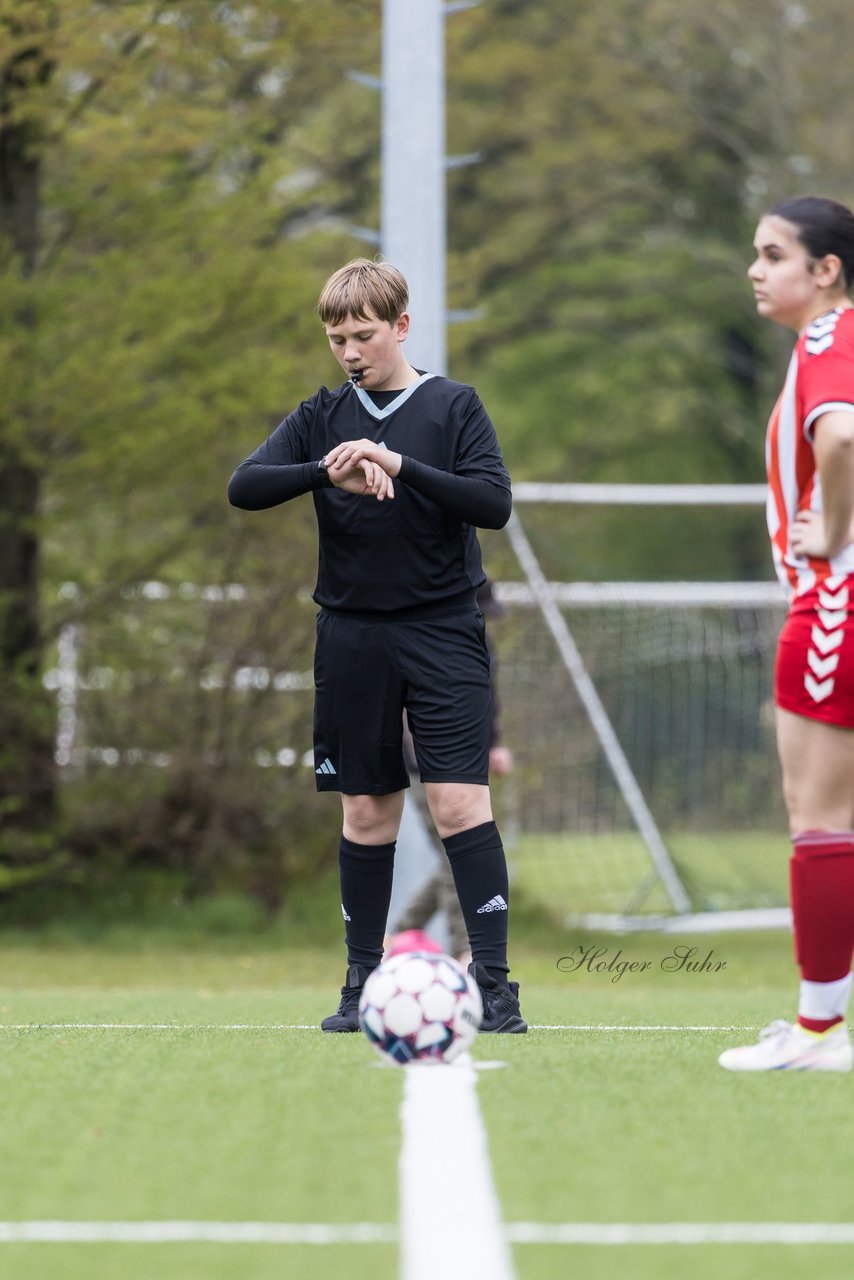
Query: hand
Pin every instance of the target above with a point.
(807, 537)
(362, 467)
(501, 760)
(352, 452)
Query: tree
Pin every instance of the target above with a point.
(27, 775)
(176, 180)
(157, 182)
(627, 150)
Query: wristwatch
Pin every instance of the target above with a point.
(323, 473)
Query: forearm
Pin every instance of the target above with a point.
(478, 502)
(254, 486)
(835, 459)
(839, 510)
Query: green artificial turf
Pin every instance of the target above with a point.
(207, 1103)
(570, 875)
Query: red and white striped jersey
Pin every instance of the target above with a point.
(820, 379)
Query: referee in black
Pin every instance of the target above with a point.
(403, 466)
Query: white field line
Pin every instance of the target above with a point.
(197, 1232)
(306, 1026)
(633, 1233)
(597, 1026)
(450, 1221)
(323, 1233)
(156, 1026)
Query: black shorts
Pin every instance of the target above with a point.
(367, 673)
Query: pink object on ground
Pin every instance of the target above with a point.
(412, 940)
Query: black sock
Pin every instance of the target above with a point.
(366, 873)
(480, 875)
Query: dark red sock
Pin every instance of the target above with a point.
(822, 892)
(818, 1024)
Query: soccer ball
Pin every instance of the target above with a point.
(419, 1006)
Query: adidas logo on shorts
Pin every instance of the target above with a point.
(495, 904)
(326, 767)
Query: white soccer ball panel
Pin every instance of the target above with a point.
(372, 1021)
(416, 976)
(402, 1015)
(459, 1044)
(438, 1003)
(431, 1034)
(379, 989)
(468, 1013)
(453, 975)
(466, 1025)
(393, 963)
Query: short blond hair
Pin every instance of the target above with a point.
(362, 286)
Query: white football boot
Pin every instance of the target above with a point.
(784, 1047)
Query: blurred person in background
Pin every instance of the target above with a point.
(438, 893)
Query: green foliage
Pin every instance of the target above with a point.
(629, 149)
(169, 324)
(186, 177)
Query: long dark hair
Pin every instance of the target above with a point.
(823, 226)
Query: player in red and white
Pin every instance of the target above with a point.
(802, 275)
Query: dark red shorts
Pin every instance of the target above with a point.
(814, 674)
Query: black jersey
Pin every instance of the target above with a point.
(415, 554)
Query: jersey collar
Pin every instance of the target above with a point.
(380, 414)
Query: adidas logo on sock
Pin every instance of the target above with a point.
(326, 767)
(495, 904)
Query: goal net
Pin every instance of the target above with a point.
(646, 791)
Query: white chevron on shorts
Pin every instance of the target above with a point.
(832, 614)
(833, 599)
(818, 692)
(826, 643)
(832, 618)
(822, 667)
